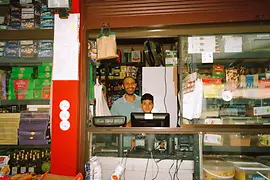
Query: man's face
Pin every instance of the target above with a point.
(147, 106)
(129, 86)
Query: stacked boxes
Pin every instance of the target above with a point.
(3, 85)
(9, 124)
(45, 48)
(15, 18)
(33, 127)
(21, 84)
(28, 17)
(43, 83)
(46, 18)
(12, 49)
(2, 48)
(28, 49)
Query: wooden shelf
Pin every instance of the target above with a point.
(10, 61)
(31, 34)
(45, 146)
(24, 102)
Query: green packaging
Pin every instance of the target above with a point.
(45, 67)
(22, 70)
(39, 83)
(43, 93)
(21, 76)
(45, 75)
(24, 84)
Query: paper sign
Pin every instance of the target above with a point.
(207, 57)
(264, 110)
(233, 44)
(201, 44)
(66, 48)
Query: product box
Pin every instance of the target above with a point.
(240, 140)
(171, 58)
(21, 76)
(44, 75)
(43, 93)
(42, 69)
(39, 83)
(135, 56)
(20, 89)
(232, 79)
(218, 71)
(26, 70)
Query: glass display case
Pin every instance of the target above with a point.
(197, 152)
(229, 76)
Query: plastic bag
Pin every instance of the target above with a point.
(102, 108)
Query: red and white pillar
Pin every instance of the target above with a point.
(65, 156)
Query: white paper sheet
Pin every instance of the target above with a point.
(66, 48)
(65, 64)
(201, 44)
(233, 44)
(207, 57)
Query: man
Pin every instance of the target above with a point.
(129, 103)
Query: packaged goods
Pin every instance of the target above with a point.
(27, 70)
(118, 171)
(249, 170)
(4, 168)
(217, 170)
(93, 169)
(218, 71)
(240, 140)
(232, 79)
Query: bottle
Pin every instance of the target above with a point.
(16, 165)
(93, 169)
(24, 163)
(11, 163)
(118, 171)
(32, 164)
(38, 163)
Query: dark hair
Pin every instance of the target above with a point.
(147, 96)
(129, 77)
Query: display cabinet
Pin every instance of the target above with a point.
(184, 153)
(228, 77)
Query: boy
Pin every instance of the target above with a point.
(147, 103)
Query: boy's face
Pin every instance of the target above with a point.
(147, 106)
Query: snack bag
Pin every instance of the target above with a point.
(4, 168)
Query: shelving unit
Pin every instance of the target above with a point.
(24, 102)
(6, 61)
(236, 149)
(29, 34)
(5, 147)
(240, 101)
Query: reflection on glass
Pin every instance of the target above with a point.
(233, 86)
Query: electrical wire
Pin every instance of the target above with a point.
(165, 90)
(179, 168)
(170, 170)
(174, 174)
(146, 169)
(156, 165)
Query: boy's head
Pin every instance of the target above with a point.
(147, 102)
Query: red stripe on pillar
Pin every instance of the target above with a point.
(75, 6)
(64, 149)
